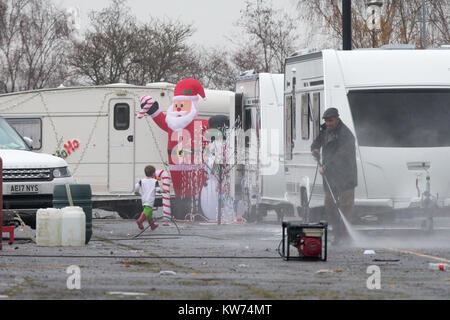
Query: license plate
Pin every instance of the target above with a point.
(24, 188)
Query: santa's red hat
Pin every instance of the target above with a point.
(188, 89)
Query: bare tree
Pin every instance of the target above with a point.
(161, 52)
(119, 49)
(401, 22)
(247, 58)
(45, 41)
(271, 37)
(218, 72)
(33, 45)
(439, 21)
(106, 52)
(10, 48)
(266, 37)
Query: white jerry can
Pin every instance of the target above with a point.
(48, 227)
(73, 227)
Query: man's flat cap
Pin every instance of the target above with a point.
(330, 113)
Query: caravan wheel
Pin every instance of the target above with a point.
(29, 221)
(251, 214)
(128, 209)
(284, 209)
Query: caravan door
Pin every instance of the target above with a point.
(121, 146)
(271, 137)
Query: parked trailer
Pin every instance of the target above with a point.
(96, 130)
(259, 174)
(396, 103)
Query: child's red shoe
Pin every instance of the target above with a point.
(140, 220)
(153, 225)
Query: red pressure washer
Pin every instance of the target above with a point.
(310, 240)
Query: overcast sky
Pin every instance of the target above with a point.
(213, 19)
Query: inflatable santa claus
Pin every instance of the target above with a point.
(186, 143)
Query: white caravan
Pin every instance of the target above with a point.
(259, 173)
(96, 130)
(396, 103)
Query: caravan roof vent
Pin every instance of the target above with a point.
(119, 85)
(247, 73)
(398, 47)
(161, 85)
(301, 52)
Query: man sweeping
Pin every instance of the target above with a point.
(339, 167)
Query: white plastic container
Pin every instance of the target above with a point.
(73, 227)
(48, 227)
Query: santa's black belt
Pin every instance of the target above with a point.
(186, 167)
(181, 152)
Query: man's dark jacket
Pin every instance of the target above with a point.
(338, 156)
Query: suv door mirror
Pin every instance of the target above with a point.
(29, 142)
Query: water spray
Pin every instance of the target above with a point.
(355, 237)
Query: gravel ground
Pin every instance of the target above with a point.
(206, 261)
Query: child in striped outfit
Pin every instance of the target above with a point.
(148, 190)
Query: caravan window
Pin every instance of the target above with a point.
(239, 103)
(316, 114)
(305, 116)
(247, 119)
(288, 128)
(121, 116)
(401, 117)
(247, 125)
(28, 127)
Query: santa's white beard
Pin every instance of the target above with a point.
(175, 122)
